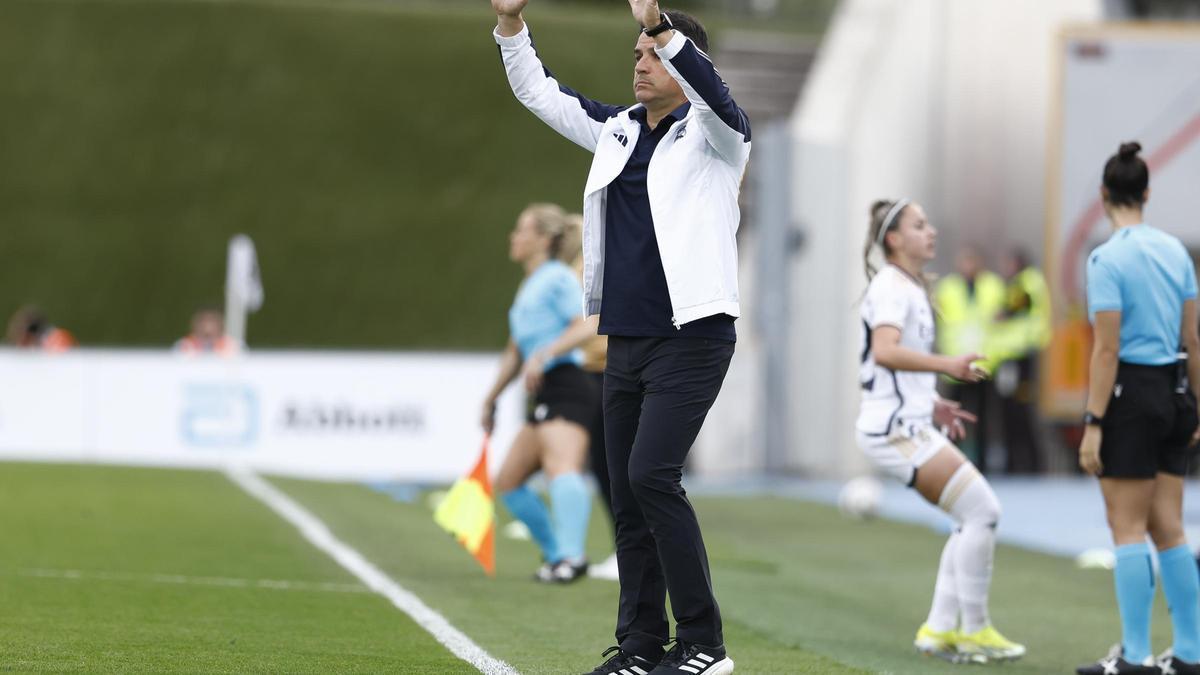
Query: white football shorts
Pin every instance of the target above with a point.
(902, 452)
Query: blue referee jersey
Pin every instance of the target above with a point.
(547, 302)
(1147, 275)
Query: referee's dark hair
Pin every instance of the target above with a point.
(690, 26)
(1126, 176)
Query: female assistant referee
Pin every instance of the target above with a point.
(547, 326)
(1142, 417)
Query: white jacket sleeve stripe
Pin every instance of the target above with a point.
(722, 122)
(576, 117)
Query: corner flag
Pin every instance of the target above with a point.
(469, 513)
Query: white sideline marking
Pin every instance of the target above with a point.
(228, 582)
(320, 536)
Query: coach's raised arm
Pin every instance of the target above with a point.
(722, 123)
(578, 118)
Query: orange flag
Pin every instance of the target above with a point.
(469, 513)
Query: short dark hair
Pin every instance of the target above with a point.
(1126, 176)
(690, 26)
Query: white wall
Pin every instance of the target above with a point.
(1000, 86)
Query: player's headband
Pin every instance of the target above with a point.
(890, 217)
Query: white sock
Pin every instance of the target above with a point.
(970, 500)
(943, 613)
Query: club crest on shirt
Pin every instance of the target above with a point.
(540, 412)
(681, 131)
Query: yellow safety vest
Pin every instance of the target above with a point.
(965, 320)
(1025, 326)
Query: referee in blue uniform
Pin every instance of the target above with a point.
(660, 268)
(1141, 417)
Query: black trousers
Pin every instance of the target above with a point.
(657, 392)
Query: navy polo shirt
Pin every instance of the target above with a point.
(635, 302)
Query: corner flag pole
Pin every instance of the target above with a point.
(243, 286)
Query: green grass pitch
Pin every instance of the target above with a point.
(106, 569)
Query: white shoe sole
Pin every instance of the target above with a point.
(986, 657)
(722, 667)
(952, 656)
(941, 650)
(1011, 656)
(991, 656)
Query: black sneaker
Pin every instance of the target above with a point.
(623, 662)
(566, 571)
(1115, 664)
(686, 658)
(1169, 664)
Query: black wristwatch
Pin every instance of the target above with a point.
(1092, 420)
(664, 26)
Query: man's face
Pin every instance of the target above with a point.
(652, 84)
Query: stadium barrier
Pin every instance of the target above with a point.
(323, 415)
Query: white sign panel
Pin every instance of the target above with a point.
(1124, 83)
(339, 416)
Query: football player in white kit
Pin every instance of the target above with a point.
(905, 430)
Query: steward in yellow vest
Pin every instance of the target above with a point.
(1023, 327)
(967, 310)
(968, 303)
(1022, 331)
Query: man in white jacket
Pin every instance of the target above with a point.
(660, 268)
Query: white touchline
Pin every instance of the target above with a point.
(229, 582)
(320, 536)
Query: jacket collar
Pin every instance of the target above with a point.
(635, 114)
